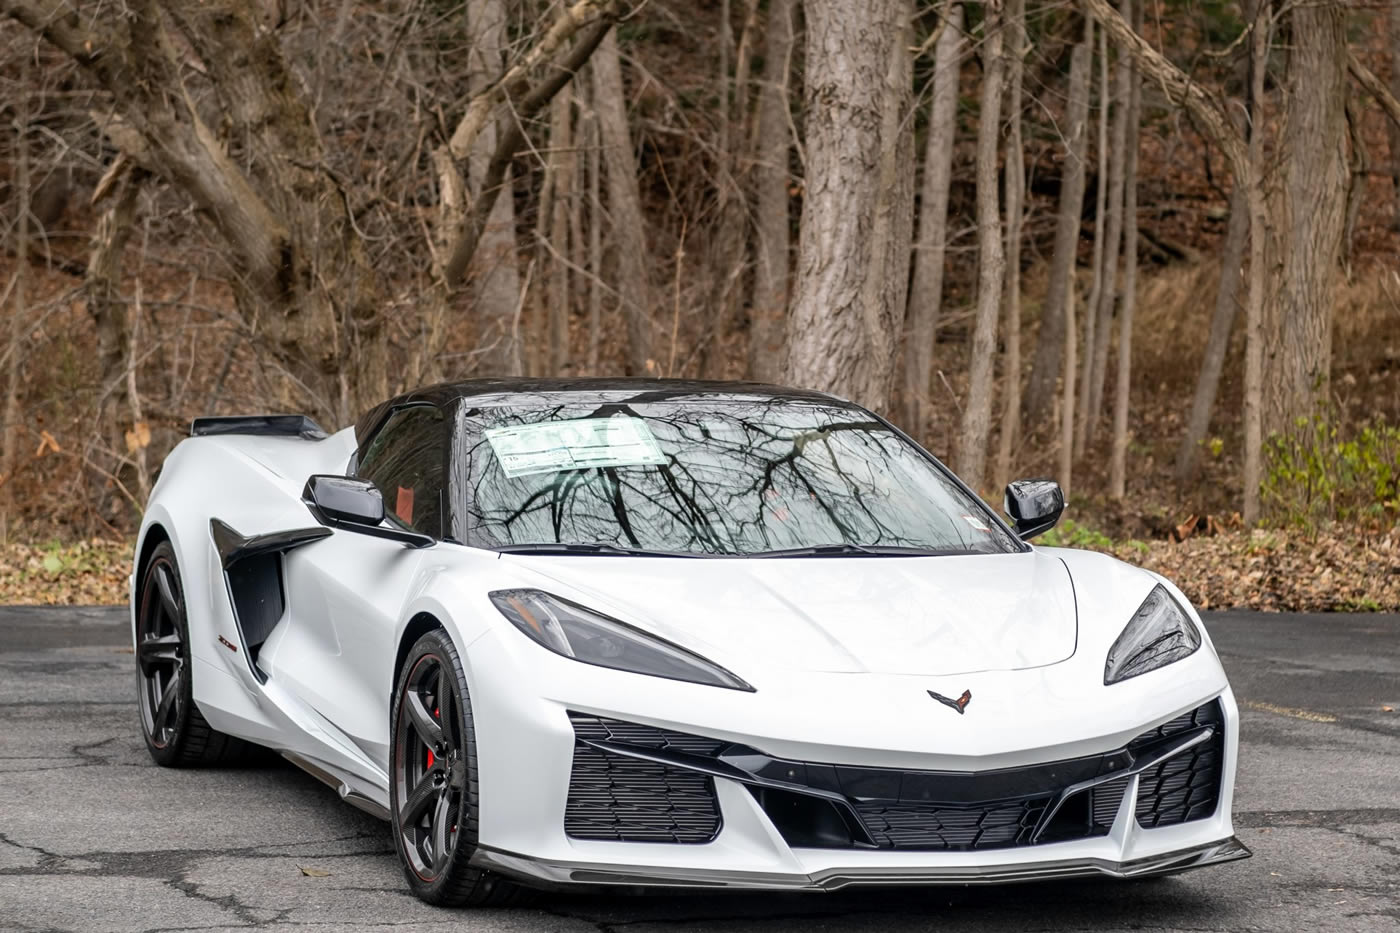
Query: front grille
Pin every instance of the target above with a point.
(930, 826)
(624, 799)
(1185, 787)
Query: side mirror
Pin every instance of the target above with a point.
(1034, 506)
(355, 505)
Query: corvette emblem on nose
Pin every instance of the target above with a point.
(960, 704)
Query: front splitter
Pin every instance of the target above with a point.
(556, 874)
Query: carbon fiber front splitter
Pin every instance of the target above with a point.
(548, 873)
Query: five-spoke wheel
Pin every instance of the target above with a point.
(176, 733)
(433, 791)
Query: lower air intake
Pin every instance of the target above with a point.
(1185, 787)
(624, 799)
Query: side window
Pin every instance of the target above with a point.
(405, 459)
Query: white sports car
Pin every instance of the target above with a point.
(673, 634)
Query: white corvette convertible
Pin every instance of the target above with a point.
(673, 634)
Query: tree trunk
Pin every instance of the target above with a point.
(595, 241)
(1309, 214)
(1253, 179)
(926, 292)
(561, 157)
(991, 263)
(494, 273)
(1097, 356)
(1067, 406)
(1015, 194)
(1393, 128)
(1222, 322)
(1045, 370)
(1117, 470)
(625, 207)
(1100, 205)
(19, 312)
(104, 303)
(853, 251)
(768, 310)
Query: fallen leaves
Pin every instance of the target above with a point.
(1345, 569)
(314, 872)
(84, 573)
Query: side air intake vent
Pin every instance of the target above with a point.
(625, 799)
(1185, 787)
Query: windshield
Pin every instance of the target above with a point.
(711, 476)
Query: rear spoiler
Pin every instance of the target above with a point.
(263, 425)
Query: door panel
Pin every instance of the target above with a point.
(336, 650)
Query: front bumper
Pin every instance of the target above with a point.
(526, 746)
(551, 874)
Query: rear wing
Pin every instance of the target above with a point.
(263, 425)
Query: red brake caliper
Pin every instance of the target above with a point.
(431, 759)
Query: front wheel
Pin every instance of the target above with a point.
(433, 781)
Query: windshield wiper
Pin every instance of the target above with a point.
(544, 547)
(854, 550)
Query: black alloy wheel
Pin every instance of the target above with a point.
(433, 793)
(176, 733)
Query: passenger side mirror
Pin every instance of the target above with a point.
(355, 505)
(1034, 506)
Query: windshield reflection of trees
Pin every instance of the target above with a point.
(742, 475)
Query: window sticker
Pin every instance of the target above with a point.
(976, 522)
(579, 444)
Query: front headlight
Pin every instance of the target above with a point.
(575, 632)
(1158, 634)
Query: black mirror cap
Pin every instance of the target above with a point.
(1034, 506)
(344, 499)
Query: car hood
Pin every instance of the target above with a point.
(891, 615)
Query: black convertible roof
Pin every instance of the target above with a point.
(506, 391)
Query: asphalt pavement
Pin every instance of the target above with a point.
(94, 837)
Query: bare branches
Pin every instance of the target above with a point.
(1176, 85)
(513, 138)
(1375, 87)
(533, 66)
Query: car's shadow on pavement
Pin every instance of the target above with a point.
(1108, 904)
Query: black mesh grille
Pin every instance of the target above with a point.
(931, 826)
(625, 799)
(1185, 787)
(1105, 800)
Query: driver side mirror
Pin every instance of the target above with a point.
(355, 505)
(1034, 506)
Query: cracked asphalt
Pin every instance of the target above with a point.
(94, 837)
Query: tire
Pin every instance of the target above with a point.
(433, 790)
(176, 733)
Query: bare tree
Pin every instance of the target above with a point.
(1045, 370)
(562, 160)
(853, 252)
(1015, 183)
(768, 310)
(1096, 357)
(1100, 204)
(991, 262)
(299, 265)
(1252, 179)
(494, 275)
(624, 206)
(1118, 459)
(1393, 24)
(926, 291)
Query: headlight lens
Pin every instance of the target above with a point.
(571, 630)
(1158, 634)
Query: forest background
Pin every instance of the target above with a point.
(1147, 248)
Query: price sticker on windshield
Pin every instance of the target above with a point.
(580, 444)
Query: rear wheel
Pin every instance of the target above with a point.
(433, 794)
(176, 733)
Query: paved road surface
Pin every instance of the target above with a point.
(94, 837)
